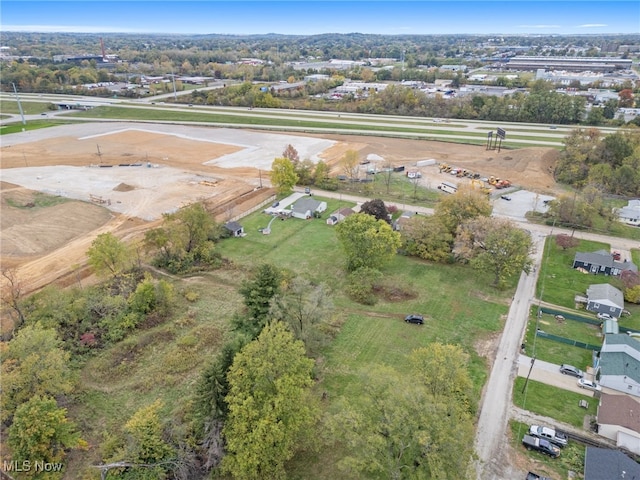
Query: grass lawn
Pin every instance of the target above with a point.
(556, 352)
(31, 125)
(28, 108)
(553, 402)
(571, 457)
(377, 334)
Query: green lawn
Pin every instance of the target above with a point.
(31, 125)
(28, 108)
(457, 302)
(556, 352)
(553, 402)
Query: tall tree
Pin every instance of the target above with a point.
(258, 293)
(398, 430)
(377, 209)
(291, 153)
(465, 204)
(495, 245)
(42, 432)
(34, 363)
(283, 175)
(305, 308)
(145, 437)
(367, 242)
(270, 409)
(109, 255)
(427, 238)
(349, 164)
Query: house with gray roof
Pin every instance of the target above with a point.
(305, 207)
(604, 298)
(339, 215)
(618, 365)
(609, 464)
(235, 229)
(601, 261)
(619, 420)
(630, 214)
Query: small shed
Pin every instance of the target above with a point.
(235, 228)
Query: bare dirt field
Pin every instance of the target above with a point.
(123, 177)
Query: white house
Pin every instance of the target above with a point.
(619, 420)
(305, 207)
(618, 365)
(630, 214)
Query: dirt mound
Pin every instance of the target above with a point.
(123, 187)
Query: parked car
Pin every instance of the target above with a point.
(275, 204)
(589, 385)
(535, 476)
(571, 370)
(606, 316)
(505, 197)
(414, 318)
(541, 445)
(559, 439)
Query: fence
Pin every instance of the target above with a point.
(568, 341)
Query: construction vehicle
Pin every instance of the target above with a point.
(502, 184)
(479, 185)
(493, 180)
(443, 167)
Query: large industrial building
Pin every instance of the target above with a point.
(573, 64)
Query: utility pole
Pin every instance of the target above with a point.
(19, 105)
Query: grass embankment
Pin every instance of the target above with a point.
(28, 108)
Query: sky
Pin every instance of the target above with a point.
(417, 17)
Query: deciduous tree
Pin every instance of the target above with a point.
(494, 245)
(291, 153)
(398, 430)
(270, 409)
(427, 238)
(566, 241)
(367, 242)
(108, 255)
(349, 164)
(465, 204)
(377, 209)
(306, 309)
(34, 364)
(283, 175)
(41, 432)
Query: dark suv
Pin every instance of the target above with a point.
(413, 318)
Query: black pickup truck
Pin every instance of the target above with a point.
(535, 476)
(541, 445)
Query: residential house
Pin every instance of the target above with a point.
(603, 298)
(235, 228)
(618, 365)
(339, 215)
(630, 214)
(618, 419)
(609, 464)
(305, 207)
(601, 261)
(402, 220)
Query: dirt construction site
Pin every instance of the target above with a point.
(122, 177)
